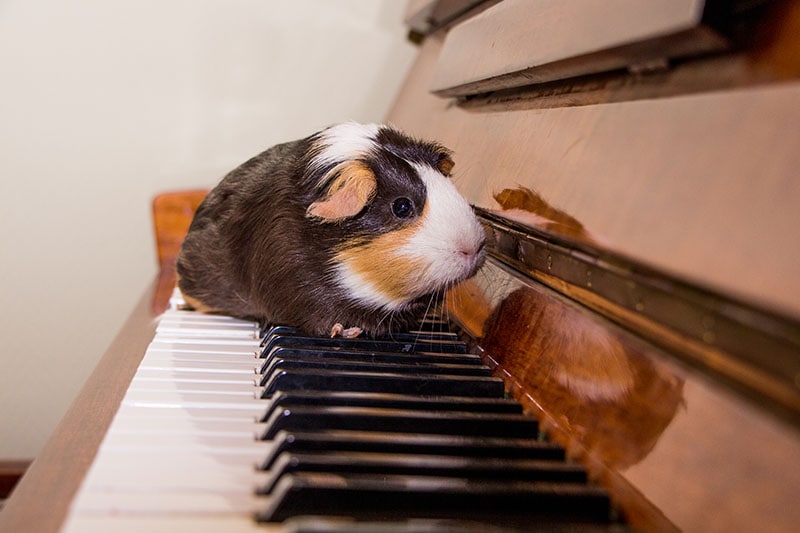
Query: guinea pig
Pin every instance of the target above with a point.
(356, 228)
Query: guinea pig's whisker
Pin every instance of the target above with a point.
(389, 315)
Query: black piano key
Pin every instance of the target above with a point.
(472, 468)
(300, 363)
(336, 524)
(401, 421)
(391, 401)
(392, 383)
(453, 445)
(390, 497)
(388, 429)
(413, 335)
(372, 356)
(269, 330)
(436, 330)
(433, 346)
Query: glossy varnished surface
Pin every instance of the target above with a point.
(691, 171)
(701, 185)
(172, 214)
(676, 449)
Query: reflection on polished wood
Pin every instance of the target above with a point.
(631, 413)
(607, 393)
(701, 186)
(688, 171)
(591, 387)
(528, 207)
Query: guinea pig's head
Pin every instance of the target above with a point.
(406, 232)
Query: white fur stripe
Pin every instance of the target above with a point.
(343, 142)
(450, 228)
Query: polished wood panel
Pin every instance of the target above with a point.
(750, 349)
(701, 186)
(644, 424)
(689, 171)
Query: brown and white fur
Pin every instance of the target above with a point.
(354, 228)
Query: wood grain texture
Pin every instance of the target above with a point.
(698, 182)
(701, 186)
(41, 499)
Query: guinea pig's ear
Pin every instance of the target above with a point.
(352, 188)
(445, 164)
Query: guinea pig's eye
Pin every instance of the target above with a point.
(402, 207)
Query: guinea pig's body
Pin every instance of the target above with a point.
(356, 225)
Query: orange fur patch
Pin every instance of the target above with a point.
(353, 188)
(378, 262)
(446, 166)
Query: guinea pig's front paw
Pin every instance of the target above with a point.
(339, 330)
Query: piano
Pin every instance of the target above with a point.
(628, 358)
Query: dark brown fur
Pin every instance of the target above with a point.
(252, 252)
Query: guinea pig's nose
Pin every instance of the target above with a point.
(470, 250)
(473, 257)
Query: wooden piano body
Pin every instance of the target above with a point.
(639, 182)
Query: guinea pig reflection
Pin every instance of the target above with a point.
(600, 390)
(356, 228)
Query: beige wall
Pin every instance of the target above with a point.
(104, 104)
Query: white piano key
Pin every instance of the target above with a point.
(209, 332)
(218, 356)
(240, 502)
(196, 377)
(184, 440)
(193, 366)
(203, 410)
(163, 395)
(189, 317)
(174, 391)
(227, 443)
(198, 411)
(247, 450)
(246, 458)
(197, 522)
(198, 472)
(210, 320)
(191, 321)
(205, 343)
(184, 424)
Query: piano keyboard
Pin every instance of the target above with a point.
(227, 428)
